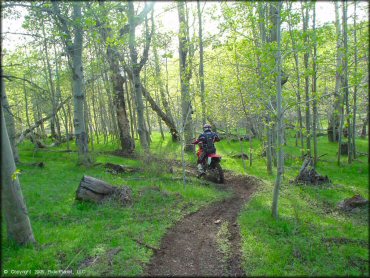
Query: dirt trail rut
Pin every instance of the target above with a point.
(190, 247)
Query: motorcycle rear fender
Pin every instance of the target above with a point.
(214, 155)
(211, 157)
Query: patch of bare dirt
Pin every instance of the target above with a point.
(190, 247)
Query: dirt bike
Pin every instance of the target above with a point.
(211, 164)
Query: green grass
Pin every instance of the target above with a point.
(299, 242)
(69, 232)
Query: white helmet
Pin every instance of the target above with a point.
(207, 127)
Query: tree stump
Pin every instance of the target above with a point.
(308, 174)
(98, 191)
(350, 204)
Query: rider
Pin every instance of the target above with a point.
(206, 146)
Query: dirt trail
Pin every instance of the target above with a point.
(190, 248)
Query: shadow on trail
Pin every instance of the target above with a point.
(191, 246)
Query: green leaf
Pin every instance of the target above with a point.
(14, 175)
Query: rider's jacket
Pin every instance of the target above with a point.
(208, 138)
(203, 137)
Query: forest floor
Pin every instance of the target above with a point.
(193, 229)
(206, 242)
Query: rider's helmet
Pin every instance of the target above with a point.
(207, 127)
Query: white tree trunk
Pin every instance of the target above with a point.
(16, 216)
(78, 90)
(185, 74)
(143, 132)
(9, 121)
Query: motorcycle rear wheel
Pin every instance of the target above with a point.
(219, 173)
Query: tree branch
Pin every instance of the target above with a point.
(10, 77)
(23, 34)
(138, 19)
(23, 134)
(63, 26)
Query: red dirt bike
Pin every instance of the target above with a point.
(211, 164)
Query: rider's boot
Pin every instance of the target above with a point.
(200, 170)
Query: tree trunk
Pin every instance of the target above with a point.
(201, 65)
(261, 82)
(340, 131)
(9, 119)
(53, 122)
(314, 89)
(103, 115)
(36, 114)
(133, 105)
(132, 119)
(59, 99)
(185, 75)
(89, 128)
(364, 124)
(250, 148)
(16, 216)
(147, 114)
(355, 85)
(305, 16)
(74, 51)
(345, 79)
(26, 103)
(78, 90)
(334, 120)
(280, 115)
(159, 119)
(113, 126)
(298, 91)
(127, 142)
(70, 121)
(268, 149)
(165, 103)
(96, 124)
(143, 132)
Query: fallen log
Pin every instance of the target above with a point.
(308, 174)
(23, 134)
(118, 169)
(98, 191)
(38, 143)
(241, 155)
(64, 139)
